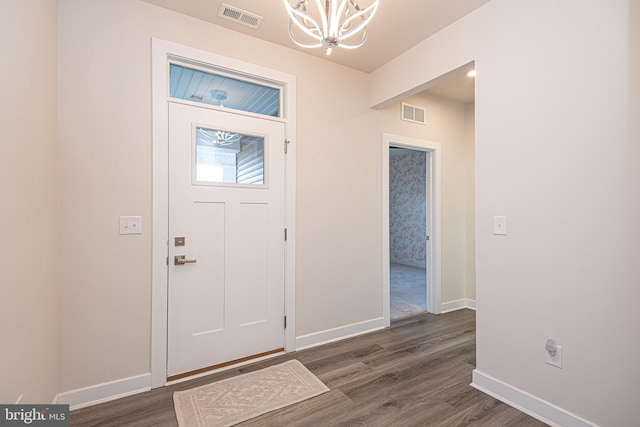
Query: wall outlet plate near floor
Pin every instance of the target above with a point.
(556, 359)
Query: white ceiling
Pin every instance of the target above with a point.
(459, 88)
(397, 26)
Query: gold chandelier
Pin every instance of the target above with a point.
(329, 23)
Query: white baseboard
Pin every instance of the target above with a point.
(527, 403)
(340, 333)
(459, 304)
(104, 392)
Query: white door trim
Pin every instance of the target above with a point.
(161, 51)
(433, 216)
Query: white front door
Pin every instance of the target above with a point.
(227, 219)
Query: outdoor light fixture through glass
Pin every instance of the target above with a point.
(329, 23)
(218, 137)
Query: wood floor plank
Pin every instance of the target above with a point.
(336, 361)
(309, 412)
(524, 420)
(416, 373)
(402, 411)
(346, 374)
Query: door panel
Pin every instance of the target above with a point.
(227, 201)
(254, 263)
(208, 280)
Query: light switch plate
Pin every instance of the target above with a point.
(130, 225)
(500, 225)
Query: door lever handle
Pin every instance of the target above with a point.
(180, 260)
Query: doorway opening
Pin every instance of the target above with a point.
(408, 233)
(420, 264)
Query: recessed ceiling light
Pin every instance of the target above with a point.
(471, 73)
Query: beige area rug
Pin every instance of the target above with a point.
(237, 399)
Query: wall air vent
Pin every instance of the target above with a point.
(411, 113)
(240, 16)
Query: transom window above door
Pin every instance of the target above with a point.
(224, 91)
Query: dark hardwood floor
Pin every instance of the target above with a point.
(416, 373)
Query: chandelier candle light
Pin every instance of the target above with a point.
(329, 23)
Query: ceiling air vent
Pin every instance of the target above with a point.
(411, 113)
(240, 16)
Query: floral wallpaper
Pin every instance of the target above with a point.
(407, 208)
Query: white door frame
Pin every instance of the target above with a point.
(433, 219)
(161, 52)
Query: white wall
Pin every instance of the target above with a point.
(553, 154)
(634, 116)
(28, 220)
(470, 200)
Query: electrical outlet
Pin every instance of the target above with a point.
(556, 359)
